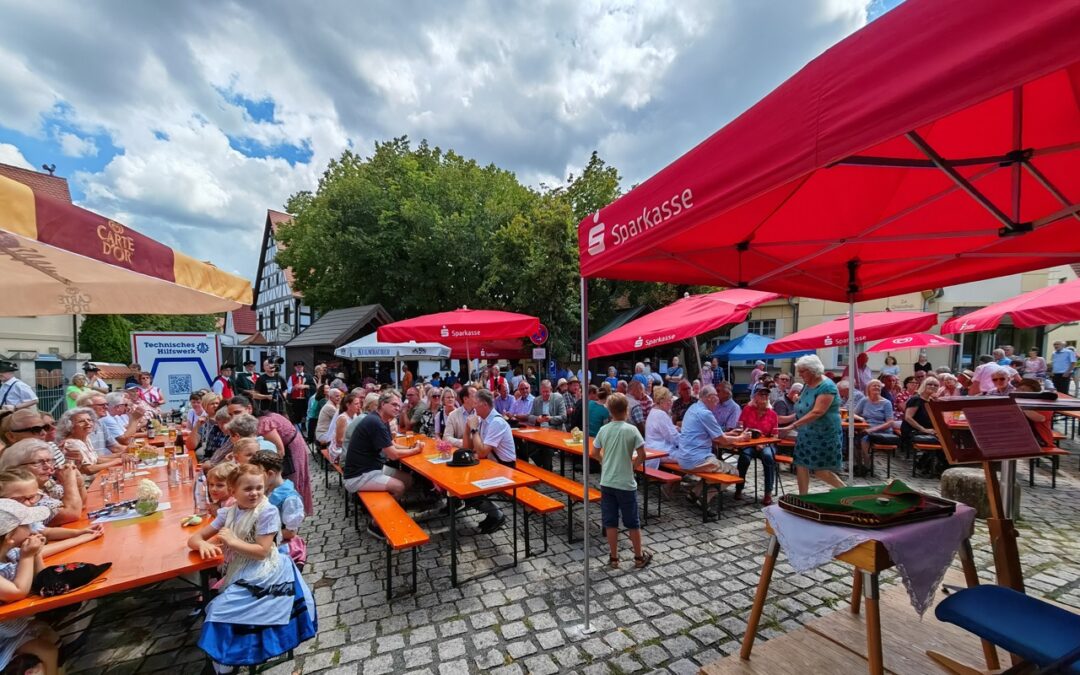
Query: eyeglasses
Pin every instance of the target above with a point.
(99, 405)
(998, 379)
(41, 463)
(36, 429)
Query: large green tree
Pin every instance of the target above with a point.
(107, 336)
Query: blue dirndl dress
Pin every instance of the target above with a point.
(265, 609)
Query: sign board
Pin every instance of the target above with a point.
(539, 353)
(540, 336)
(180, 363)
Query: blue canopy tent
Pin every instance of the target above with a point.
(751, 347)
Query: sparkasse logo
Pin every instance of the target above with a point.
(444, 332)
(638, 342)
(596, 236)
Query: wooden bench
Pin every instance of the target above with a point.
(329, 464)
(534, 502)
(1055, 462)
(720, 480)
(400, 531)
(661, 478)
(888, 450)
(920, 449)
(575, 492)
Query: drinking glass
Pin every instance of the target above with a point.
(186, 475)
(108, 491)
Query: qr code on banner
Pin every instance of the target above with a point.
(179, 385)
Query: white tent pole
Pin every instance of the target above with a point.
(586, 443)
(851, 388)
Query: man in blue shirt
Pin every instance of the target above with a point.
(639, 374)
(1062, 363)
(700, 431)
(727, 411)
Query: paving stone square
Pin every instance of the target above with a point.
(687, 609)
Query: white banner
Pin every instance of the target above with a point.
(181, 363)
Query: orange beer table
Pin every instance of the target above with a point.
(460, 483)
(143, 550)
(557, 440)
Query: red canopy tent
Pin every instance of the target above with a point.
(868, 326)
(466, 327)
(685, 318)
(939, 144)
(1059, 303)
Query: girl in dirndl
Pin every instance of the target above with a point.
(264, 609)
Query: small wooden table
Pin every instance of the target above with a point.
(759, 442)
(459, 484)
(869, 558)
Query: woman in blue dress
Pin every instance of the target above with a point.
(818, 446)
(265, 608)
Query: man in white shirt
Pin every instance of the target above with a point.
(93, 379)
(456, 427)
(120, 425)
(14, 393)
(488, 434)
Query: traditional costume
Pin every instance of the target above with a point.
(265, 609)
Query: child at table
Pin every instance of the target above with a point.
(283, 495)
(265, 608)
(217, 487)
(243, 450)
(20, 561)
(20, 485)
(621, 449)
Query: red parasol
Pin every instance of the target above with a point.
(939, 144)
(685, 318)
(868, 326)
(1059, 303)
(469, 327)
(915, 341)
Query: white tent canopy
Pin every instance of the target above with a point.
(368, 348)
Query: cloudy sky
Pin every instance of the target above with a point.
(187, 120)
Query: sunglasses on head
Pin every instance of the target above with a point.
(36, 429)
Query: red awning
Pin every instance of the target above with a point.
(916, 341)
(868, 326)
(1059, 303)
(939, 144)
(475, 326)
(685, 318)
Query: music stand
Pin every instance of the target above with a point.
(987, 430)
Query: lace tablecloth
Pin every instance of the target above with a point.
(922, 551)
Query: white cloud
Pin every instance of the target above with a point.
(76, 146)
(11, 155)
(531, 87)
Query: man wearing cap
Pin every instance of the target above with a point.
(299, 387)
(93, 379)
(223, 383)
(572, 395)
(757, 372)
(14, 393)
(244, 381)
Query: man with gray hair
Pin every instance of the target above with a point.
(726, 411)
(120, 424)
(700, 432)
(98, 439)
(639, 374)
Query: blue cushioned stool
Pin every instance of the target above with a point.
(1040, 633)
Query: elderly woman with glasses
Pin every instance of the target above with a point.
(63, 487)
(30, 423)
(1000, 384)
(818, 446)
(74, 430)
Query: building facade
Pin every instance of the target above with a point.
(280, 312)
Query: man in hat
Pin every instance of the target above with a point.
(93, 379)
(572, 395)
(14, 393)
(301, 385)
(757, 372)
(223, 383)
(269, 391)
(244, 381)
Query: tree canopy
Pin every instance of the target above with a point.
(422, 230)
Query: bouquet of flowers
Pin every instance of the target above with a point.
(444, 448)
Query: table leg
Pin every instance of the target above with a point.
(515, 529)
(645, 482)
(874, 660)
(453, 540)
(772, 550)
(856, 591)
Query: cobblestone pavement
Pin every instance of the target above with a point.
(686, 609)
